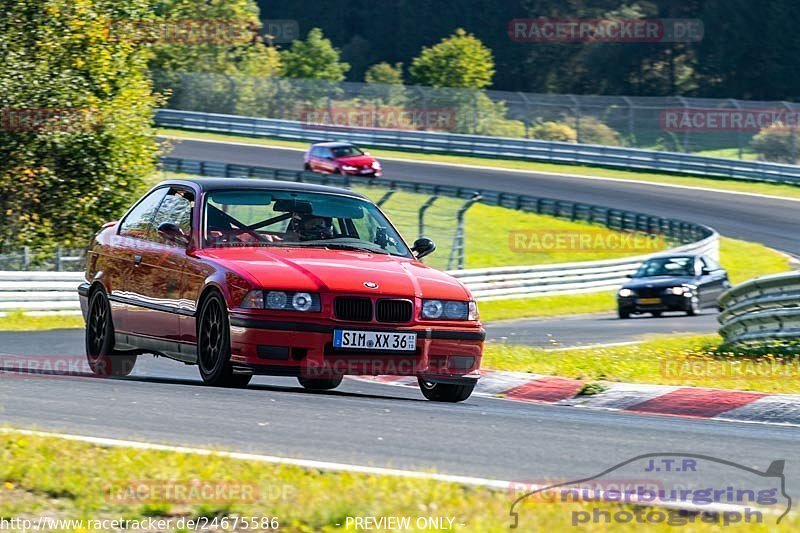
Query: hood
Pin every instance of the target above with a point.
(357, 160)
(659, 282)
(344, 271)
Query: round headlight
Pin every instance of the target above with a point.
(302, 301)
(625, 293)
(276, 299)
(432, 309)
(455, 310)
(676, 290)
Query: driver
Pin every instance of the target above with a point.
(312, 227)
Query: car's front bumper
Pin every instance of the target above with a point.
(666, 302)
(306, 349)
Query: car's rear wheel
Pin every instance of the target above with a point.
(214, 345)
(307, 167)
(320, 383)
(103, 361)
(445, 392)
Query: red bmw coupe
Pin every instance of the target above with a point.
(244, 277)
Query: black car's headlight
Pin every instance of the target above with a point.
(679, 291)
(449, 310)
(306, 302)
(625, 293)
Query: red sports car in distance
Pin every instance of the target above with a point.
(341, 158)
(244, 277)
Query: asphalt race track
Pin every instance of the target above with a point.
(363, 423)
(770, 221)
(597, 329)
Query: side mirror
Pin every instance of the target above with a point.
(422, 247)
(171, 232)
(705, 272)
(629, 276)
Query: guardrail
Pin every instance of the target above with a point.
(39, 291)
(484, 146)
(762, 310)
(44, 291)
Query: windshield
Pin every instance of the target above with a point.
(667, 266)
(262, 217)
(346, 151)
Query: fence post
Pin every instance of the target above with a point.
(421, 215)
(385, 198)
(26, 258)
(58, 259)
(457, 252)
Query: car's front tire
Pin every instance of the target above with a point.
(103, 361)
(693, 307)
(214, 345)
(623, 314)
(320, 383)
(445, 392)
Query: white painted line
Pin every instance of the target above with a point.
(593, 346)
(517, 170)
(271, 459)
(591, 495)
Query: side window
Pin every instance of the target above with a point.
(138, 223)
(176, 207)
(710, 264)
(316, 151)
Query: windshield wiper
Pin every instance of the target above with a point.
(356, 247)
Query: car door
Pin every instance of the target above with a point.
(133, 231)
(717, 279)
(327, 162)
(155, 284)
(314, 159)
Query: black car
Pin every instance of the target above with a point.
(673, 283)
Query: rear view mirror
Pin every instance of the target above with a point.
(171, 232)
(422, 247)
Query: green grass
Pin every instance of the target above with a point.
(722, 184)
(56, 478)
(697, 361)
(19, 321)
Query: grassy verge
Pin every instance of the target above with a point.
(44, 476)
(666, 360)
(785, 191)
(19, 321)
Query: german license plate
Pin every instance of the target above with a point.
(374, 340)
(648, 301)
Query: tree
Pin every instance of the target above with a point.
(77, 108)
(211, 74)
(385, 73)
(313, 58)
(460, 60)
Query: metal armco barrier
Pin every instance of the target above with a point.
(39, 291)
(484, 146)
(762, 310)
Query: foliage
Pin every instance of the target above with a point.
(777, 144)
(592, 131)
(314, 58)
(554, 131)
(61, 178)
(385, 73)
(460, 61)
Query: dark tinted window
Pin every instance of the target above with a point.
(176, 207)
(346, 151)
(138, 223)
